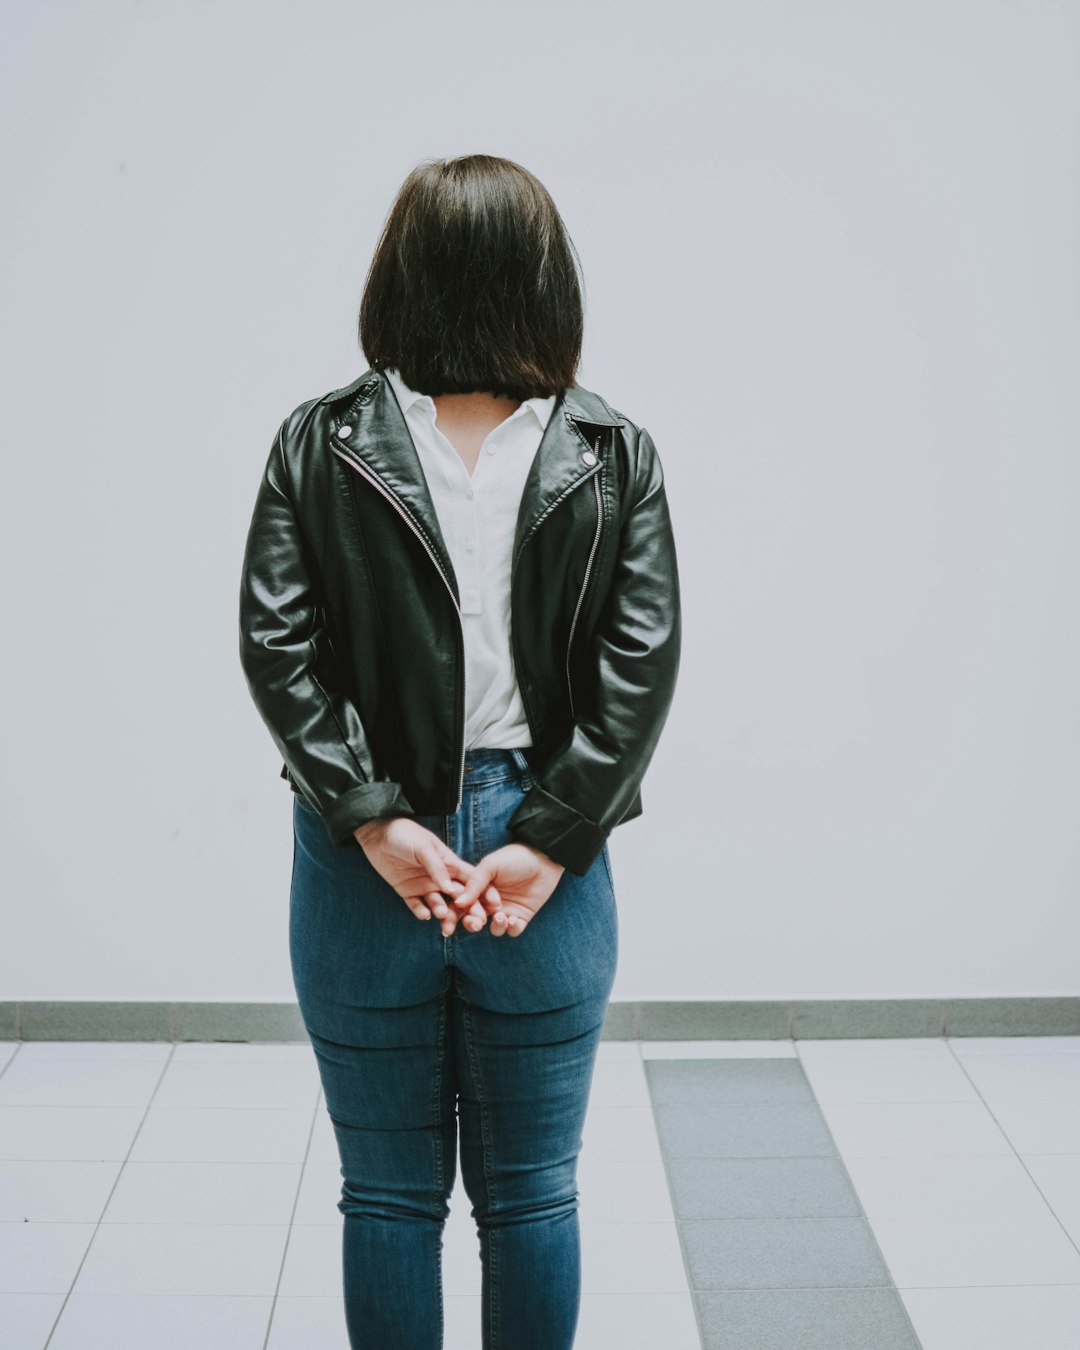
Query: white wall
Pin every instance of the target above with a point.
(832, 264)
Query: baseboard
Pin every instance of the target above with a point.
(647, 1020)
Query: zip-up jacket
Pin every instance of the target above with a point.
(350, 628)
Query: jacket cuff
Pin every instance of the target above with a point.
(565, 835)
(369, 801)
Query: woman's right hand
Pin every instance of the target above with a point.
(423, 870)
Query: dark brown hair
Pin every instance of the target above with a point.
(474, 284)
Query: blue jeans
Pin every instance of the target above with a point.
(414, 1031)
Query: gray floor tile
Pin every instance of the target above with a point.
(805, 1319)
(781, 1253)
(761, 1188)
(719, 1082)
(793, 1130)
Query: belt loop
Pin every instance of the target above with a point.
(520, 759)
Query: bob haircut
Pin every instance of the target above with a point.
(474, 284)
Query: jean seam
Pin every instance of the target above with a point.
(489, 1182)
(440, 1161)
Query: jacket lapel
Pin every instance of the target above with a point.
(373, 430)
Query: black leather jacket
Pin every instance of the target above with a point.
(350, 632)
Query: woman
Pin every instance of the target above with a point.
(459, 620)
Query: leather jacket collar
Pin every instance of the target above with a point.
(370, 429)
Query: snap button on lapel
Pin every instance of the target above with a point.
(344, 431)
(588, 457)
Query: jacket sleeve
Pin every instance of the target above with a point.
(586, 786)
(291, 671)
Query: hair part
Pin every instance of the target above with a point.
(475, 284)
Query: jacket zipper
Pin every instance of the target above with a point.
(392, 499)
(584, 586)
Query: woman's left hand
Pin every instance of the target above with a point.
(523, 877)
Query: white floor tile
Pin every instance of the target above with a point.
(620, 1134)
(323, 1140)
(1051, 1078)
(55, 1191)
(982, 1251)
(320, 1190)
(41, 1258)
(94, 1133)
(619, 1081)
(619, 1050)
(897, 1129)
(955, 1187)
(255, 1084)
(1070, 1221)
(632, 1258)
(27, 1319)
(164, 1321)
(309, 1322)
(630, 1192)
(183, 1258)
(204, 1192)
(636, 1321)
(888, 1078)
(216, 1052)
(1039, 1127)
(717, 1049)
(1057, 1175)
(926, 1047)
(79, 1082)
(223, 1134)
(1015, 1317)
(313, 1261)
(158, 1051)
(1014, 1045)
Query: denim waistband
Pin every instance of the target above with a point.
(494, 764)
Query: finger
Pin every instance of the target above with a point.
(434, 864)
(442, 911)
(490, 899)
(483, 874)
(516, 925)
(498, 923)
(436, 902)
(417, 906)
(475, 919)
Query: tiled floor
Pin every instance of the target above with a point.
(748, 1195)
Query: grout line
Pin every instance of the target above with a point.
(1016, 1153)
(108, 1198)
(292, 1218)
(12, 1057)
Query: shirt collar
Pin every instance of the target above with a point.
(406, 397)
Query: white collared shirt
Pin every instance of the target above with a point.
(477, 515)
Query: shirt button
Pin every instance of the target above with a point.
(469, 545)
(491, 449)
